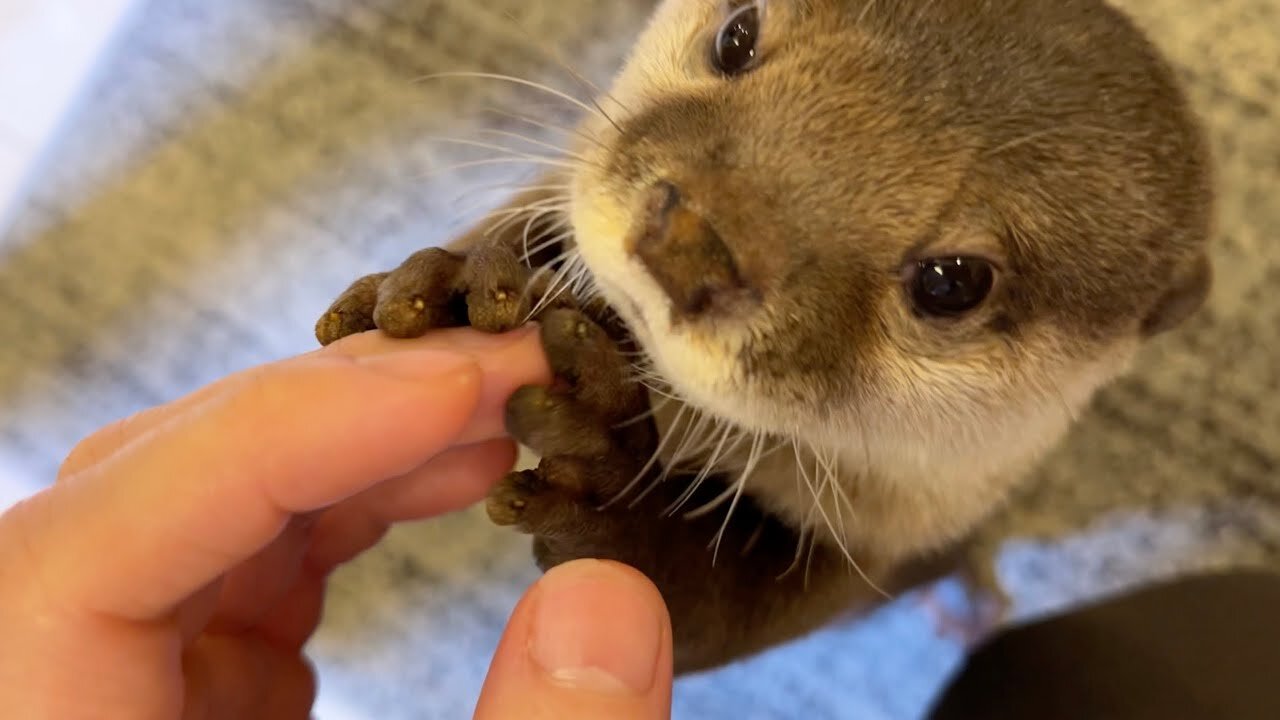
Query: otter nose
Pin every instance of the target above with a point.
(686, 256)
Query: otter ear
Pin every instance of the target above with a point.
(1184, 297)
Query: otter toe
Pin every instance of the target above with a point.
(552, 423)
(352, 312)
(497, 289)
(420, 295)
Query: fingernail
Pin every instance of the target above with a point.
(417, 364)
(595, 628)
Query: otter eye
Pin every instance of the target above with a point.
(946, 287)
(737, 42)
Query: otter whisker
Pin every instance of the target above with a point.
(538, 274)
(555, 263)
(841, 496)
(509, 151)
(817, 505)
(548, 162)
(534, 213)
(663, 392)
(704, 466)
(562, 266)
(521, 81)
(647, 372)
(839, 539)
(560, 224)
(735, 488)
(649, 377)
(592, 293)
(830, 484)
(686, 435)
(1061, 397)
(651, 412)
(808, 564)
(919, 12)
(501, 220)
(866, 442)
(591, 88)
(737, 496)
(657, 386)
(755, 538)
(535, 142)
(692, 442)
(805, 526)
(581, 280)
(555, 288)
(1036, 135)
(510, 216)
(823, 483)
(708, 467)
(866, 10)
(653, 459)
(673, 464)
(549, 126)
(795, 564)
(562, 190)
(830, 466)
(559, 283)
(530, 252)
(704, 434)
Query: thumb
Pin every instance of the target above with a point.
(591, 639)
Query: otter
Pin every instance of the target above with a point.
(820, 282)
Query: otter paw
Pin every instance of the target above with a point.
(981, 608)
(488, 288)
(590, 429)
(966, 626)
(592, 409)
(509, 499)
(352, 312)
(557, 499)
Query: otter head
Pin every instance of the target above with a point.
(924, 232)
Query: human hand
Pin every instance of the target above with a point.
(177, 568)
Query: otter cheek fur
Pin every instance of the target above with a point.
(879, 253)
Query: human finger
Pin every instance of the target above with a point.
(230, 676)
(513, 350)
(591, 639)
(216, 483)
(280, 590)
(456, 479)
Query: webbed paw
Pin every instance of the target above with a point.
(488, 288)
(585, 429)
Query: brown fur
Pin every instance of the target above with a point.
(753, 234)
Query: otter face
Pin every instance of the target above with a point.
(929, 230)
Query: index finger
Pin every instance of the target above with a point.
(492, 352)
(209, 487)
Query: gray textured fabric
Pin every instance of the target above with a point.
(240, 161)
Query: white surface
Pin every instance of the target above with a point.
(48, 50)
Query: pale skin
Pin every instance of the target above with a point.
(178, 566)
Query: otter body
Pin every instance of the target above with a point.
(874, 257)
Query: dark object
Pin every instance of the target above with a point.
(737, 42)
(952, 286)
(1202, 648)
